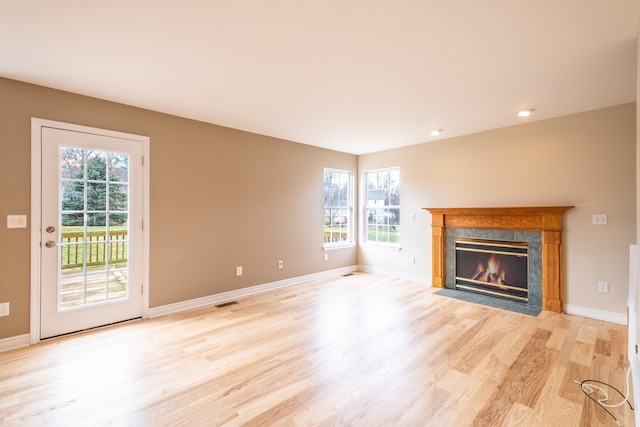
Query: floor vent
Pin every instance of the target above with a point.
(347, 275)
(226, 304)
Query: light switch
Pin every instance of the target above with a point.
(16, 221)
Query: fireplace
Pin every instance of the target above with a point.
(539, 226)
(492, 267)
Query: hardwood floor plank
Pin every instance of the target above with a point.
(557, 339)
(551, 409)
(474, 404)
(519, 385)
(587, 334)
(572, 327)
(362, 350)
(528, 375)
(519, 415)
(582, 353)
(569, 389)
(602, 347)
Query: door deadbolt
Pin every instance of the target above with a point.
(50, 229)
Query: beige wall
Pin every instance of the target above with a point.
(219, 198)
(586, 160)
(222, 197)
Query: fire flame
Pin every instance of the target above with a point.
(492, 273)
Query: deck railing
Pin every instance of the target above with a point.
(334, 236)
(98, 248)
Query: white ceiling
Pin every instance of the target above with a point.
(351, 75)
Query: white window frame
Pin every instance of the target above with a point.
(366, 208)
(349, 207)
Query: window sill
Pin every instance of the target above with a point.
(338, 246)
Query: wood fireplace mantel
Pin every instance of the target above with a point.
(546, 219)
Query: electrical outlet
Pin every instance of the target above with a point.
(4, 309)
(603, 287)
(280, 264)
(326, 257)
(412, 260)
(239, 271)
(599, 219)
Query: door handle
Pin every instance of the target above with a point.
(50, 244)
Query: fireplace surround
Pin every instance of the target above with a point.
(544, 222)
(533, 241)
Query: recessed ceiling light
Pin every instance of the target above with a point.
(525, 113)
(436, 132)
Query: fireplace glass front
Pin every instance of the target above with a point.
(492, 267)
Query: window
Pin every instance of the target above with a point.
(382, 207)
(338, 207)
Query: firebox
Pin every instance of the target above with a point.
(492, 267)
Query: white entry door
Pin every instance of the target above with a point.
(91, 227)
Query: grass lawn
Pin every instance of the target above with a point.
(383, 233)
(74, 248)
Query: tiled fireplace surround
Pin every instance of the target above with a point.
(534, 270)
(540, 227)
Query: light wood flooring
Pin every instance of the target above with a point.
(362, 350)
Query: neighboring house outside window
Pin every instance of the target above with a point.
(382, 208)
(338, 208)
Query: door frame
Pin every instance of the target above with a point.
(36, 212)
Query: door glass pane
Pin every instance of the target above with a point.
(94, 245)
(71, 161)
(118, 167)
(118, 200)
(96, 196)
(72, 195)
(96, 289)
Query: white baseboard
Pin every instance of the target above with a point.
(231, 295)
(592, 313)
(398, 275)
(12, 343)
